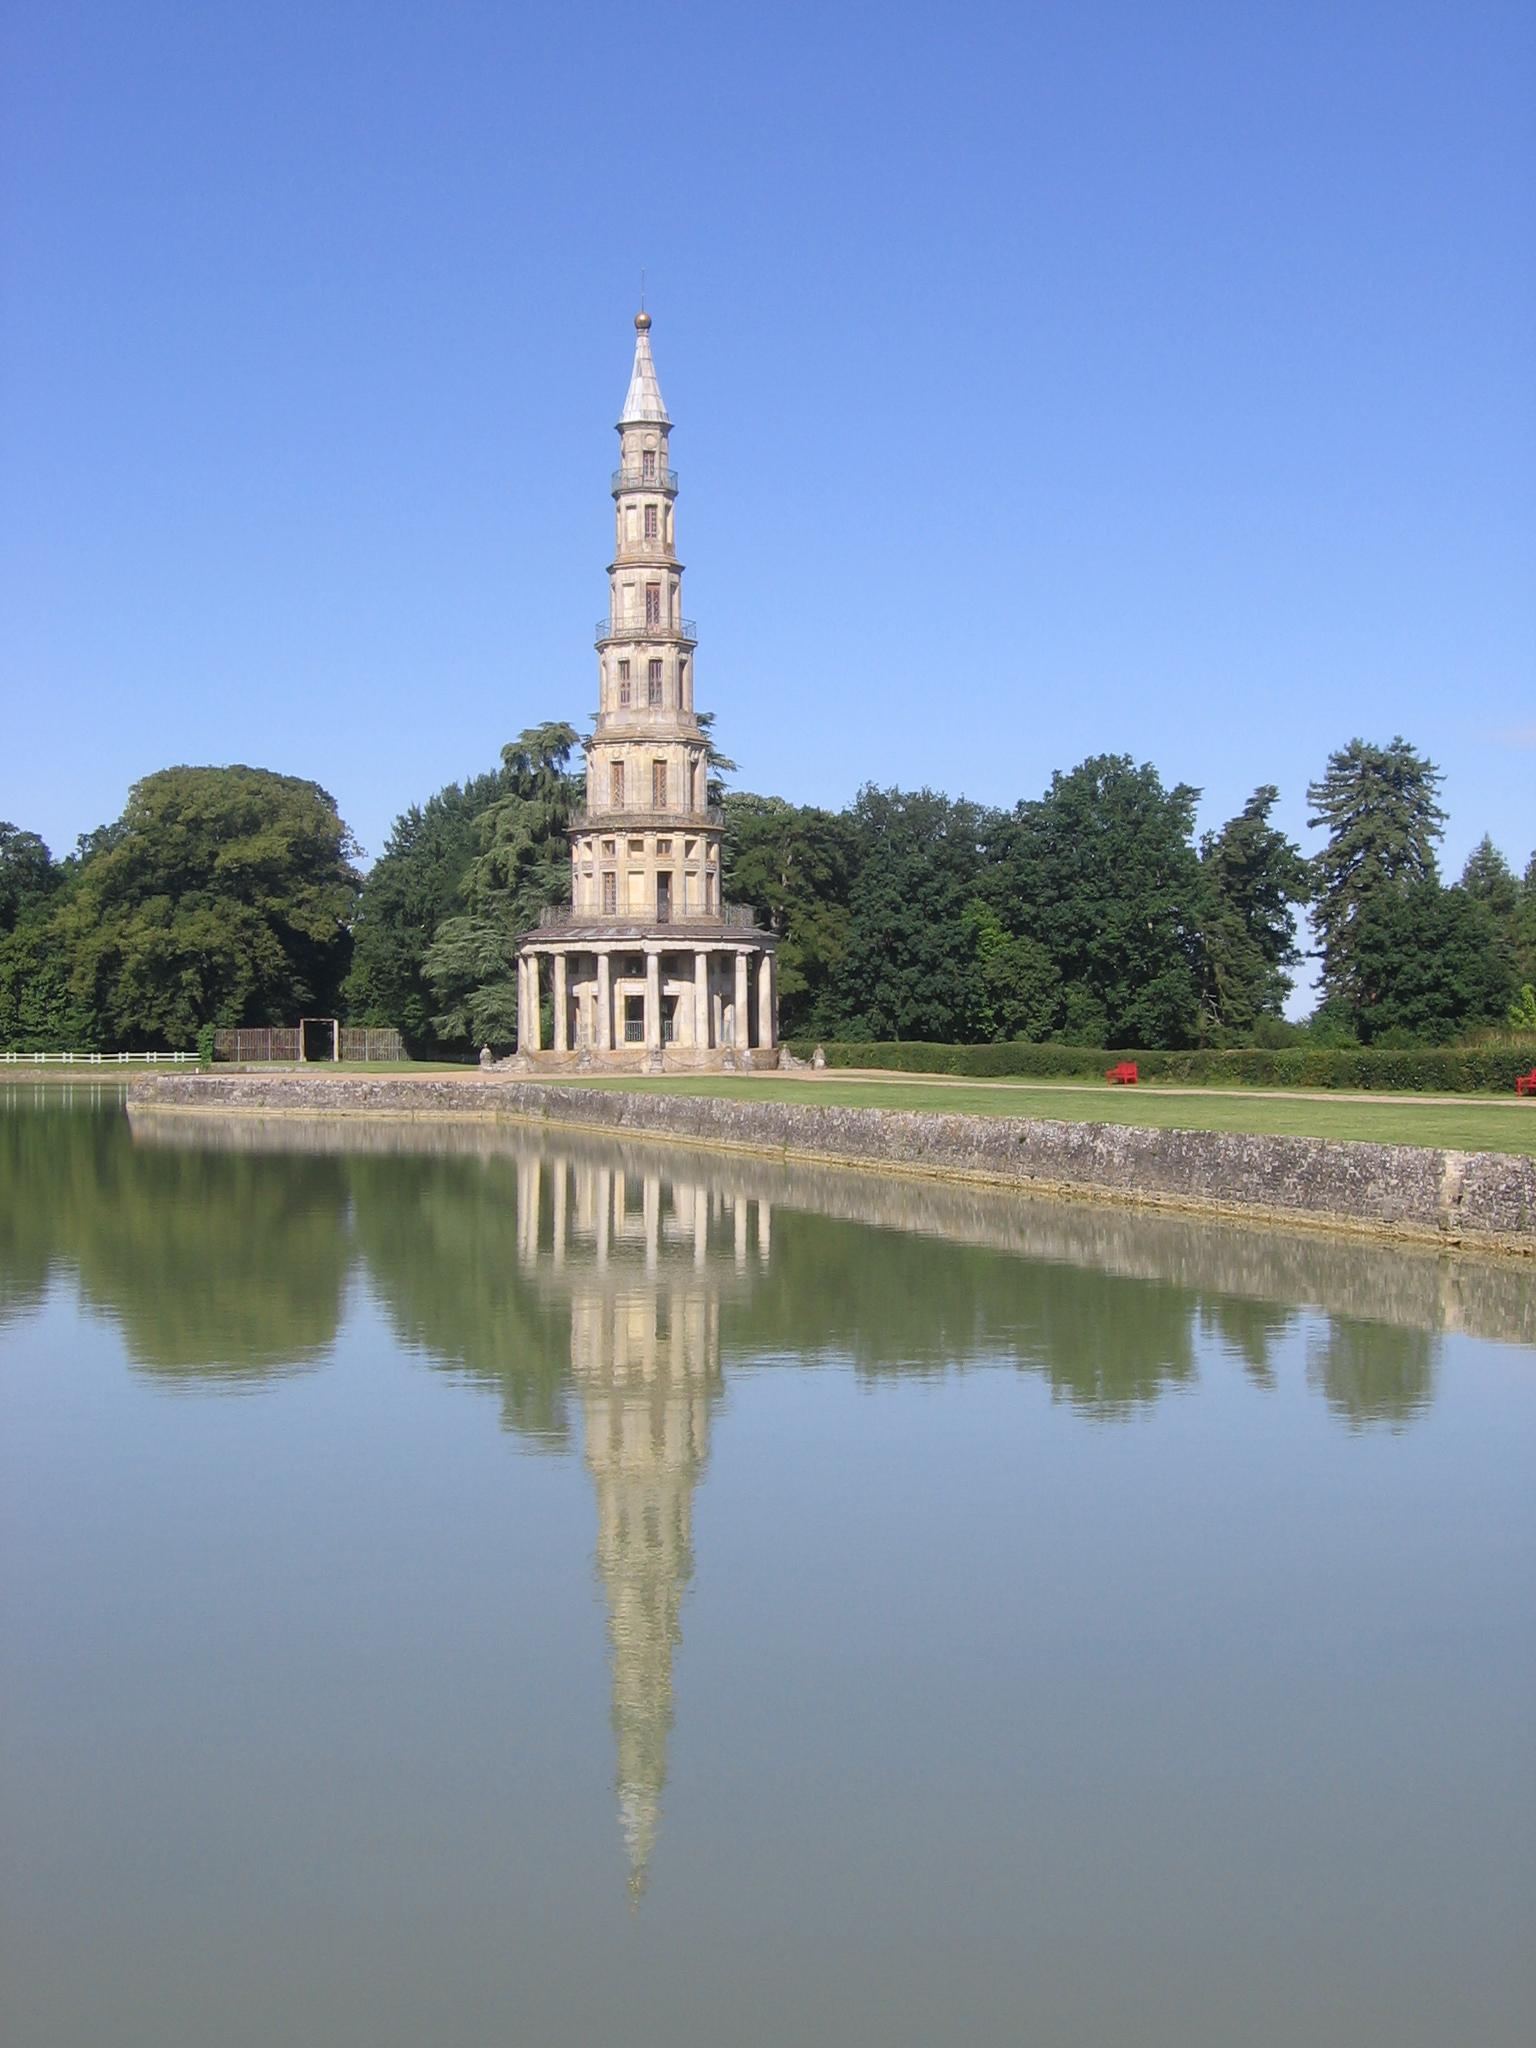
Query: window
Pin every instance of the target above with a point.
(653, 683)
(634, 1020)
(653, 604)
(682, 682)
(650, 522)
(623, 682)
(658, 785)
(638, 846)
(608, 848)
(610, 894)
(648, 465)
(616, 785)
(663, 849)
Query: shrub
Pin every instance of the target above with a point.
(1428, 1070)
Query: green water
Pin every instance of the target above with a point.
(462, 1587)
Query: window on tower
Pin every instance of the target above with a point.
(653, 604)
(653, 683)
(616, 784)
(658, 785)
(651, 524)
(610, 894)
(648, 465)
(623, 682)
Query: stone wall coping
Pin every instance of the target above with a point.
(1481, 1199)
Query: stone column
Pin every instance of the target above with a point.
(522, 1003)
(603, 1200)
(650, 1219)
(652, 1000)
(701, 999)
(743, 1020)
(528, 1204)
(562, 1022)
(765, 999)
(604, 1002)
(534, 1025)
(560, 1176)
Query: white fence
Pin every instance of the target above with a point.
(96, 1059)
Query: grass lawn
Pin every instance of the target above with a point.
(126, 1070)
(1473, 1125)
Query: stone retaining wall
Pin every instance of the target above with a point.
(1486, 1199)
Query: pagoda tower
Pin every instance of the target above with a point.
(649, 966)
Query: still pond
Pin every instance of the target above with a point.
(467, 1587)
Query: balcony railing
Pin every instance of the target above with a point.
(631, 479)
(733, 917)
(645, 629)
(612, 820)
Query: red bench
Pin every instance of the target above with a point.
(1525, 1084)
(1125, 1074)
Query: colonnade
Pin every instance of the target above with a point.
(641, 995)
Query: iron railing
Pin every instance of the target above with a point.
(644, 629)
(612, 820)
(559, 917)
(631, 479)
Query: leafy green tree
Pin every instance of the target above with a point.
(906, 968)
(1102, 873)
(37, 1011)
(222, 896)
(1256, 877)
(1379, 808)
(1489, 878)
(1524, 925)
(1427, 963)
(521, 865)
(28, 877)
(795, 866)
(416, 883)
(1015, 990)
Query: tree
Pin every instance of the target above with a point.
(1255, 876)
(1524, 925)
(795, 866)
(221, 897)
(1489, 878)
(37, 1012)
(416, 883)
(1378, 807)
(905, 971)
(1102, 873)
(521, 865)
(1014, 989)
(1428, 962)
(28, 876)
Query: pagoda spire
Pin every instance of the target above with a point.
(643, 402)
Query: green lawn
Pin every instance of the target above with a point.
(1470, 1126)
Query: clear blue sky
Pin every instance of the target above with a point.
(1051, 378)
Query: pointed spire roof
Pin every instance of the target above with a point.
(643, 402)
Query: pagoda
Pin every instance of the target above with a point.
(650, 966)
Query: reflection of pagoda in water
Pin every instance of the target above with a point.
(640, 1259)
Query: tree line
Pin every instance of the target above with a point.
(1091, 914)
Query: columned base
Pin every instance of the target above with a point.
(595, 1001)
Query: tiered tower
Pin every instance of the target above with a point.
(649, 965)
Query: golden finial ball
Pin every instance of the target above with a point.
(642, 321)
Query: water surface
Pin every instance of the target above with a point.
(464, 1587)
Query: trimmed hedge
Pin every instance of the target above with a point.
(1432, 1070)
